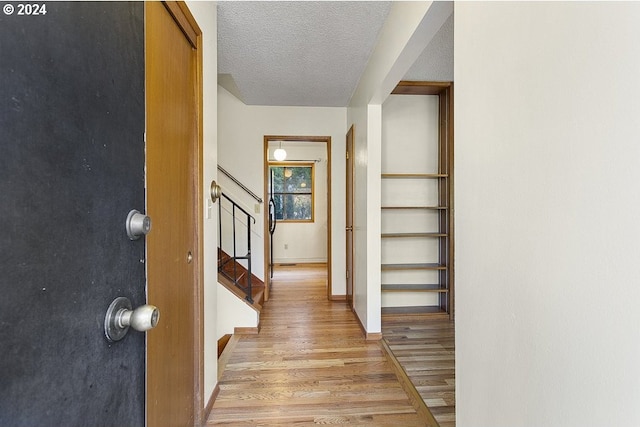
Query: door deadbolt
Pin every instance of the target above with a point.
(120, 317)
(137, 225)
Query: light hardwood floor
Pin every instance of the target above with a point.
(309, 365)
(425, 348)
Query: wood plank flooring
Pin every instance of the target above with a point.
(309, 365)
(425, 348)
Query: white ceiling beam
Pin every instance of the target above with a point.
(408, 30)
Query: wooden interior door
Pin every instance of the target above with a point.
(174, 164)
(71, 168)
(349, 216)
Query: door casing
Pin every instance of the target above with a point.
(349, 216)
(267, 248)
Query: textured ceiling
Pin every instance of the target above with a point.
(310, 53)
(297, 52)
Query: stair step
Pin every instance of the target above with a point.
(226, 277)
(396, 287)
(416, 266)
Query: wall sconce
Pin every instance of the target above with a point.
(279, 154)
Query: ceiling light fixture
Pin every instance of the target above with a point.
(279, 154)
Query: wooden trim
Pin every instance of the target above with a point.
(414, 175)
(249, 330)
(452, 239)
(297, 138)
(414, 396)
(226, 354)
(368, 336)
(329, 222)
(351, 215)
(338, 298)
(312, 193)
(327, 141)
(222, 343)
(212, 399)
(266, 252)
(420, 88)
(306, 264)
(373, 336)
(185, 21)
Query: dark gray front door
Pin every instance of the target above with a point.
(71, 168)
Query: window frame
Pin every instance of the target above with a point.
(312, 191)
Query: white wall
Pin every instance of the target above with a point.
(547, 199)
(241, 131)
(234, 313)
(205, 15)
(305, 242)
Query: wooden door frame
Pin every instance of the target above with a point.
(187, 23)
(350, 213)
(327, 141)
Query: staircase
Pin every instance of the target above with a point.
(228, 268)
(234, 269)
(417, 215)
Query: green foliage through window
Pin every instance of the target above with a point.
(293, 191)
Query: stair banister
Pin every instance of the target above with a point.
(235, 258)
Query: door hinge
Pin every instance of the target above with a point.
(347, 155)
(347, 274)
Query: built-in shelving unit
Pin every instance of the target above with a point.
(417, 200)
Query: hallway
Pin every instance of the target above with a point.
(309, 365)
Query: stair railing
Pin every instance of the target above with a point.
(239, 184)
(235, 259)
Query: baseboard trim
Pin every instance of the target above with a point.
(338, 298)
(374, 336)
(212, 399)
(298, 261)
(368, 336)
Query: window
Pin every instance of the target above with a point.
(292, 191)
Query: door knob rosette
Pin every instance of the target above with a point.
(120, 317)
